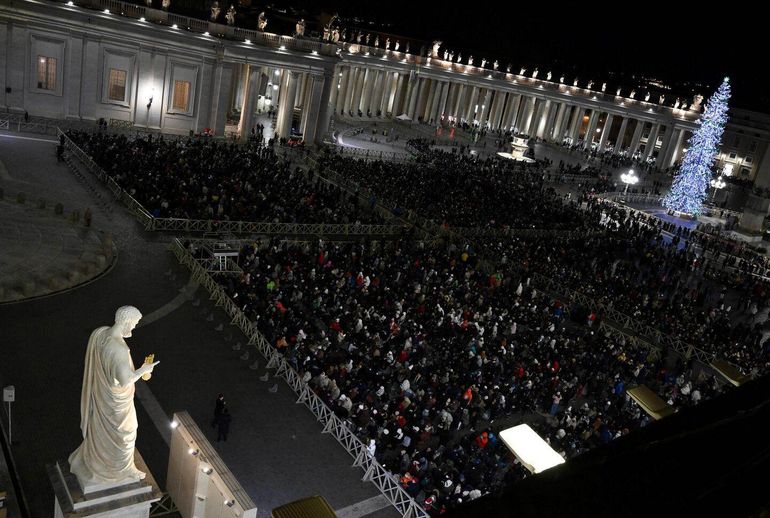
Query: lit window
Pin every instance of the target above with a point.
(46, 73)
(117, 85)
(181, 100)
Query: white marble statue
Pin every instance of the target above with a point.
(230, 15)
(377, 41)
(299, 29)
(335, 35)
(647, 97)
(459, 58)
(367, 38)
(148, 2)
(617, 92)
(395, 47)
(165, 4)
(495, 65)
(107, 414)
(677, 103)
(327, 36)
(548, 76)
(522, 71)
(358, 37)
(470, 60)
(215, 10)
(406, 49)
(434, 50)
(261, 21)
(575, 82)
(604, 87)
(508, 68)
(387, 43)
(535, 73)
(697, 100)
(590, 84)
(446, 55)
(483, 62)
(632, 94)
(661, 99)
(561, 79)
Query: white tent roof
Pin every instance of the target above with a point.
(404, 117)
(531, 450)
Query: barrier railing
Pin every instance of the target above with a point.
(151, 223)
(373, 471)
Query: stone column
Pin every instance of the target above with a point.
(668, 138)
(253, 75)
(606, 132)
(525, 115)
(428, 96)
(575, 122)
(315, 119)
(458, 101)
(350, 87)
(676, 148)
(513, 111)
(636, 137)
(286, 108)
(359, 90)
(442, 102)
(542, 123)
(621, 136)
(537, 111)
(470, 108)
(397, 100)
(591, 129)
(414, 96)
(651, 141)
(223, 76)
(370, 81)
(486, 108)
(335, 91)
(379, 92)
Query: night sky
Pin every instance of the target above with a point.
(593, 40)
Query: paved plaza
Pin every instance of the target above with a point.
(275, 448)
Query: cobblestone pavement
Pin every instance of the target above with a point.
(275, 448)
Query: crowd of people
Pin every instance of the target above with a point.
(205, 179)
(428, 355)
(459, 190)
(429, 349)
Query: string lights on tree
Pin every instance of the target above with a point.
(689, 189)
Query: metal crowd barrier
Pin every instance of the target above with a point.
(373, 472)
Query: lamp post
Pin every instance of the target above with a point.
(629, 178)
(717, 183)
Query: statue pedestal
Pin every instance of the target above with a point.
(129, 499)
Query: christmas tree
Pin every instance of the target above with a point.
(691, 182)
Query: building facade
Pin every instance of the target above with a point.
(148, 68)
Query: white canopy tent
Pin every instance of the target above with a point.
(532, 451)
(404, 117)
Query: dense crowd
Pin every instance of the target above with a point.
(428, 355)
(685, 284)
(205, 179)
(461, 191)
(430, 349)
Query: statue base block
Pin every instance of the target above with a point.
(129, 499)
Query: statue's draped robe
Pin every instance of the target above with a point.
(107, 414)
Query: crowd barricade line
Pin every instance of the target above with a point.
(374, 472)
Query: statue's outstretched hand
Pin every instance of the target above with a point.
(147, 368)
